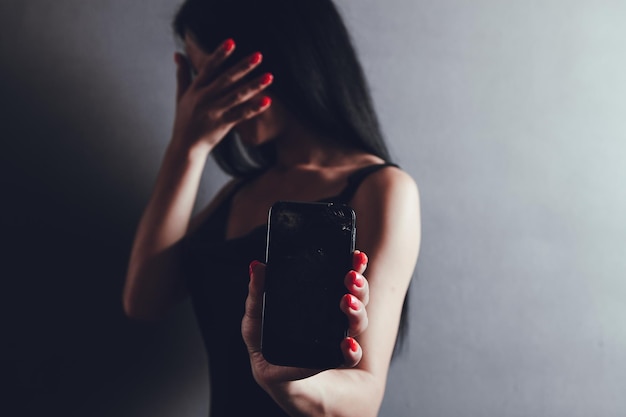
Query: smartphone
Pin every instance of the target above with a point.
(308, 254)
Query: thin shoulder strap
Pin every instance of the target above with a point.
(356, 178)
(223, 208)
(243, 181)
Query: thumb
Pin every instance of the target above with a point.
(251, 323)
(183, 75)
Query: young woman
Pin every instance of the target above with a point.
(274, 92)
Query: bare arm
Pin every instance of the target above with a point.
(153, 280)
(207, 108)
(388, 221)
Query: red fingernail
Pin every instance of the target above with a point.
(255, 58)
(252, 265)
(362, 258)
(352, 302)
(357, 280)
(267, 79)
(265, 101)
(228, 45)
(354, 346)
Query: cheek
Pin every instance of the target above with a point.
(257, 130)
(248, 131)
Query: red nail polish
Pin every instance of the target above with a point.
(357, 280)
(362, 258)
(265, 101)
(352, 302)
(354, 346)
(267, 78)
(255, 58)
(228, 45)
(252, 265)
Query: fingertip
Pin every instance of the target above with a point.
(180, 59)
(351, 351)
(363, 258)
(360, 261)
(267, 79)
(255, 58)
(353, 345)
(356, 279)
(352, 302)
(228, 46)
(266, 101)
(253, 266)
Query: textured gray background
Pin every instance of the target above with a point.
(509, 114)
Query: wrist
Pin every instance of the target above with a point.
(297, 398)
(196, 152)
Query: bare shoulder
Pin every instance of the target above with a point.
(387, 207)
(385, 187)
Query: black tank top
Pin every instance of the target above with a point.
(216, 269)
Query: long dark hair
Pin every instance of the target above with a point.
(318, 76)
(306, 46)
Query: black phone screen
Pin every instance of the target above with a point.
(309, 252)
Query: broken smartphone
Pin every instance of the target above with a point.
(308, 254)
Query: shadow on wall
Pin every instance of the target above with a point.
(69, 215)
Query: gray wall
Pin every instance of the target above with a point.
(510, 115)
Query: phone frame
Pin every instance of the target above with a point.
(281, 343)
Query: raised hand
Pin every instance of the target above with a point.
(213, 102)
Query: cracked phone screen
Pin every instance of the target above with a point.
(309, 252)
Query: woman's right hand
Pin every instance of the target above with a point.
(207, 107)
(210, 105)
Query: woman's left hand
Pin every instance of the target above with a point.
(353, 304)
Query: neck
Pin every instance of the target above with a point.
(299, 147)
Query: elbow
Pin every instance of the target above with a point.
(130, 309)
(375, 393)
(377, 399)
(136, 310)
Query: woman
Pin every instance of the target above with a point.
(274, 92)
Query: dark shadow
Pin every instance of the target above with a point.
(68, 219)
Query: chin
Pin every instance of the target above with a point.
(264, 127)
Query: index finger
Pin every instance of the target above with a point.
(207, 63)
(359, 261)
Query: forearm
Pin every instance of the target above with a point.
(336, 393)
(153, 280)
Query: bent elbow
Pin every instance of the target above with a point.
(134, 309)
(129, 309)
